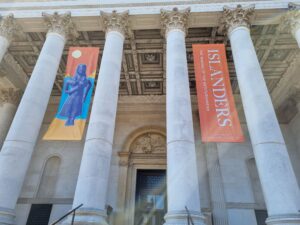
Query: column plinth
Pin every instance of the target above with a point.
(182, 178)
(19, 144)
(280, 188)
(94, 171)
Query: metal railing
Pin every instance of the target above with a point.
(67, 214)
(189, 218)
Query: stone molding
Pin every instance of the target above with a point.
(61, 24)
(116, 22)
(236, 17)
(292, 18)
(175, 20)
(10, 95)
(9, 27)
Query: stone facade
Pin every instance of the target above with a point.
(141, 44)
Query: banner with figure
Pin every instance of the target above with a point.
(218, 116)
(70, 119)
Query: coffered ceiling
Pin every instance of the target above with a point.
(144, 59)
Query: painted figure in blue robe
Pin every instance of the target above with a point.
(77, 89)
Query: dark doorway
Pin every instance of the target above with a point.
(39, 214)
(150, 197)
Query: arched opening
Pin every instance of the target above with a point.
(49, 178)
(142, 184)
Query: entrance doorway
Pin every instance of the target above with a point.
(150, 197)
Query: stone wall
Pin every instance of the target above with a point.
(228, 180)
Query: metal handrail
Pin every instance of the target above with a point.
(67, 214)
(189, 218)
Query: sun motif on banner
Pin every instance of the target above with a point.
(76, 54)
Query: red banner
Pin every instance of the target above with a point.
(218, 116)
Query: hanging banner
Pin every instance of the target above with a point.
(219, 120)
(73, 109)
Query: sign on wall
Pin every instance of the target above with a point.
(219, 120)
(70, 119)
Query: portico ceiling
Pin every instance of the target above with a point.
(144, 59)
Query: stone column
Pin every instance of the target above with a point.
(182, 179)
(9, 99)
(93, 176)
(292, 19)
(8, 28)
(19, 144)
(277, 177)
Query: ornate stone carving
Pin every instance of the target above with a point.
(175, 19)
(292, 18)
(116, 22)
(9, 28)
(149, 143)
(61, 24)
(10, 95)
(236, 17)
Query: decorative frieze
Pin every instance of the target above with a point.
(10, 95)
(61, 24)
(236, 17)
(9, 28)
(175, 19)
(149, 143)
(116, 22)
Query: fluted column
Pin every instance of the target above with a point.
(277, 177)
(19, 144)
(292, 19)
(9, 99)
(93, 176)
(182, 178)
(8, 29)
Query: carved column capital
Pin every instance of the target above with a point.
(116, 22)
(9, 27)
(61, 24)
(292, 18)
(236, 17)
(10, 95)
(175, 19)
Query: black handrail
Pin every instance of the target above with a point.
(189, 218)
(67, 214)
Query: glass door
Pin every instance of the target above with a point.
(150, 197)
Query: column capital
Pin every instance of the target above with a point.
(61, 24)
(175, 19)
(236, 17)
(9, 27)
(116, 22)
(10, 95)
(292, 18)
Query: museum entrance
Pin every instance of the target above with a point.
(150, 197)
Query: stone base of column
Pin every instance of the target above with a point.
(180, 218)
(7, 216)
(287, 219)
(87, 216)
